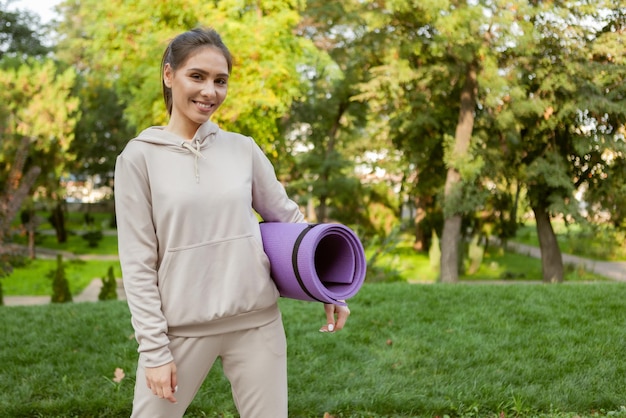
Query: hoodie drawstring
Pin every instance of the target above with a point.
(196, 151)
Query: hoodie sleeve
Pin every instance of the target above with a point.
(269, 197)
(138, 251)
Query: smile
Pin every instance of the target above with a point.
(203, 106)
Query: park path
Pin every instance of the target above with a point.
(615, 270)
(89, 294)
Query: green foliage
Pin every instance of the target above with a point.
(377, 246)
(37, 94)
(101, 132)
(38, 107)
(21, 35)
(434, 253)
(329, 88)
(328, 127)
(57, 220)
(93, 237)
(60, 286)
(11, 257)
(108, 291)
(600, 242)
(260, 35)
(475, 254)
(33, 278)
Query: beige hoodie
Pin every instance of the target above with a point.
(189, 239)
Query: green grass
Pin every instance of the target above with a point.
(408, 351)
(75, 243)
(597, 242)
(404, 264)
(33, 278)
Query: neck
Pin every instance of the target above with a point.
(186, 131)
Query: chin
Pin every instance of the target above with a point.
(203, 119)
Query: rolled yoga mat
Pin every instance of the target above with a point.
(314, 262)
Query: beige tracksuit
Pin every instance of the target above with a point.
(196, 277)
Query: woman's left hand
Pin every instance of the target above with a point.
(336, 317)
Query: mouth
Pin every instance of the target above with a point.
(203, 106)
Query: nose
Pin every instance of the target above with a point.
(208, 89)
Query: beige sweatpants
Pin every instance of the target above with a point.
(254, 361)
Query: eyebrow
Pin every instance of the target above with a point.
(200, 70)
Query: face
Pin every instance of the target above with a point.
(199, 87)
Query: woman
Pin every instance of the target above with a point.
(196, 277)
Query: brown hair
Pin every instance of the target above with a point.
(182, 46)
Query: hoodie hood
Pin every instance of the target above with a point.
(203, 138)
(157, 135)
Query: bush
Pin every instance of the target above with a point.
(93, 238)
(60, 286)
(108, 291)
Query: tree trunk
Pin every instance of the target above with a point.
(451, 235)
(17, 186)
(322, 209)
(32, 251)
(58, 222)
(450, 240)
(422, 236)
(551, 258)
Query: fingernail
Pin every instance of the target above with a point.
(331, 327)
(176, 388)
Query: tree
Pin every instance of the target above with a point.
(602, 177)
(101, 132)
(16, 188)
(326, 123)
(477, 60)
(563, 112)
(38, 106)
(18, 39)
(437, 58)
(125, 50)
(21, 34)
(17, 174)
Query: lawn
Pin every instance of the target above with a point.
(600, 242)
(402, 263)
(33, 279)
(75, 243)
(409, 350)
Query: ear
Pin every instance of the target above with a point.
(168, 75)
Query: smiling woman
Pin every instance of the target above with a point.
(196, 278)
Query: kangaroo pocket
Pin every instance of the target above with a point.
(214, 280)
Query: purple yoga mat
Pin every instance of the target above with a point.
(314, 262)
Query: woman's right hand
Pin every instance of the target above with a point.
(162, 381)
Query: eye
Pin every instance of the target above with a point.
(196, 76)
(221, 81)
